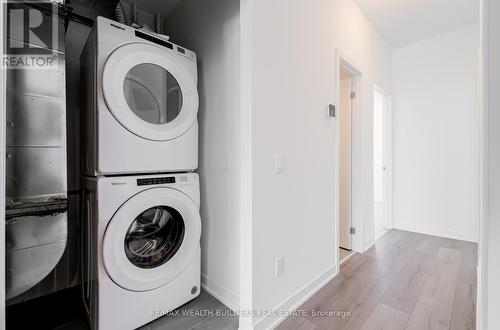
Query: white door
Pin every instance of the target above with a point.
(380, 160)
(149, 92)
(345, 126)
(151, 239)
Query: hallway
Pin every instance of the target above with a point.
(406, 281)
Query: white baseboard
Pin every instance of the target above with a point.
(297, 299)
(368, 246)
(441, 232)
(383, 233)
(479, 316)
(222, 294)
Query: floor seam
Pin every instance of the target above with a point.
(456, 292)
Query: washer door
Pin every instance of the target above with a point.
(149, 92)
(151, 239)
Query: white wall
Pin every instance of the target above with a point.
(212, 29)
(489, 261)
(291, 74)
(436, 135)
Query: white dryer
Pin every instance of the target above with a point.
(141, 247)
(140, 103)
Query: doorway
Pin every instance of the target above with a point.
(348, 77)
(381, 157)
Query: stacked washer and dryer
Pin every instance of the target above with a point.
(141, 222)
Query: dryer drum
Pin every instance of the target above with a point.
(154, 237)
(152, 93)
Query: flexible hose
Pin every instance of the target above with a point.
(120, 14)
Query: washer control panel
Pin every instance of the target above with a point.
(154, 181)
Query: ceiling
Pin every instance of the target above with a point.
(162, 7)
(402, 22)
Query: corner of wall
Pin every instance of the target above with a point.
(296, 299)
(438, 231)
(222, 294)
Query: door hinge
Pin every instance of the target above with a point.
(353, 95)
(352, 230)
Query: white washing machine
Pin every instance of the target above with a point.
(140, 103)
(141, 247)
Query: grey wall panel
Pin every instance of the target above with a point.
(66, 274)
(29, 231)
(37, 253)
(34, 246)
(42, 82)
(35, 121)
(64, 84)
(35, 173)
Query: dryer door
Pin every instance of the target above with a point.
(151, 239)
(149, 92)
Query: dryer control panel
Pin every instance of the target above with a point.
(158, 41)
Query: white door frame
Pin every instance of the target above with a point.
(387, 157)
(2, 173)
(342, 60)
(246, 160)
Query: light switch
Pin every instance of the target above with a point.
(331, 110)
(279, 163)
(227, 164)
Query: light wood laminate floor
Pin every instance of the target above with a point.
(343, 254)
(406, 281)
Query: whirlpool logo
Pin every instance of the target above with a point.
(118, 183)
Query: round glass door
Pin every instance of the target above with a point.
(151, 239)
(152, 93)
(154, 237)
